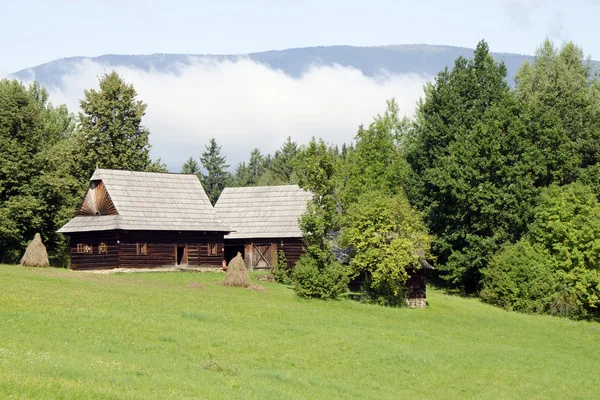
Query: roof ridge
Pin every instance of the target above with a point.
(261, 187)
(143, 172)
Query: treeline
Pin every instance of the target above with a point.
(496, 186)
(260, 170)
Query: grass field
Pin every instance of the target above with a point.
(66, 334)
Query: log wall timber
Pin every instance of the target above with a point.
(293, 248)
(161, 249)
(94, 260)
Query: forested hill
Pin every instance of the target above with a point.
(419, 59)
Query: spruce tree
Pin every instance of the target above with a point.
(282, 166)
(249, 174)
(191, 166)
(215, 177)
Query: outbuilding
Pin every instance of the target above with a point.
(143, 220)
(265, 220)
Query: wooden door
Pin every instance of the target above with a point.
(262, 255)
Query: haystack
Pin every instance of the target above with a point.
(237, 275)
(35, 255)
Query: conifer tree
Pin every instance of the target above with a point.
(282, 166)
(215, 176)
(191, 166)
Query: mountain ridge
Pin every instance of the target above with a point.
(420, 59)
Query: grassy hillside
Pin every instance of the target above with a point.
(66, 334)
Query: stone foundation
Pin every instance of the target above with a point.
(416, 303)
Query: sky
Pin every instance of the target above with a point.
(241, 102)
(43, 30)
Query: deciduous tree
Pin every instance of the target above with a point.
(110, 132)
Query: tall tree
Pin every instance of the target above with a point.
(376, 162)
(215, 177)
(282, 165)
(455, 157)
(560, 98)
(110, 133)
(36, 188)
(250, 174)
(318, 274)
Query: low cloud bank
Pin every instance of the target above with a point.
(245, 105)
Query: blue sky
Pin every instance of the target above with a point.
(40, 31)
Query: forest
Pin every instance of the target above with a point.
(494, 183)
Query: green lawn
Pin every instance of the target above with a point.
(66, 334)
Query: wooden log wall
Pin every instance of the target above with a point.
(95, 260)
(161, 249)
(293, 248)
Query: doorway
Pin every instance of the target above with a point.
(231, 251)
(181, 255)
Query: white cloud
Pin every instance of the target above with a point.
(245, 105)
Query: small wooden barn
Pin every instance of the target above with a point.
(264, 220)
(143, 220)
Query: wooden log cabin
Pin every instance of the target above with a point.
(145, 220)
(264, 220)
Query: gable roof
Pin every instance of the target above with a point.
(150, 201)
(263, 211)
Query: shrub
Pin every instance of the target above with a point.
(315, 279)
(520, 278)
(555, 267)
(579, 293)
(383, 293)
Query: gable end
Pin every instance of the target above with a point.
(97, 201)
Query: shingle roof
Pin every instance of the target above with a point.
(151, 201)
(262, 211)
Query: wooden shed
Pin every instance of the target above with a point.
(144, 219)
(416, 285)
(264, 220)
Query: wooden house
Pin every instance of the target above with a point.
(264, 220)
(144, 219)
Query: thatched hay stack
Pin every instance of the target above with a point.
(35, 255)
(237, 275)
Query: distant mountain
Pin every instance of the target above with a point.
(418, 59)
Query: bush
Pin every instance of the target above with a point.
(520, 278)
(281, 270)
(384, 293)
(555, 267)
(315, 279)
(579, 293)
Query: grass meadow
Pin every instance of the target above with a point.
(74, 335)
